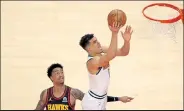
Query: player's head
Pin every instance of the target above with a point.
(90, 43)
(56, 74)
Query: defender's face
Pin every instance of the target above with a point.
(57, 76)
(95, 46)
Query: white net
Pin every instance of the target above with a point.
(163, 13)
(164, 30)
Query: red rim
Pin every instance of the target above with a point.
(164, 5)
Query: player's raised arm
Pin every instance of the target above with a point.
(124, 50)
(42, 101)
(100, 61)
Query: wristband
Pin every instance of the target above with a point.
(116, 99)
(112, 99)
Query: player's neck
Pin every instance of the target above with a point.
(59, 87)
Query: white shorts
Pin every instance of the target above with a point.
(92, 101)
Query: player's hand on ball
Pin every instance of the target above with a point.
(127, 34)
(115, 27)
(125, 99)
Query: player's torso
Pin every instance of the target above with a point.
(61, 103)
(100, 81)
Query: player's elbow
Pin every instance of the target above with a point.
(125, 53)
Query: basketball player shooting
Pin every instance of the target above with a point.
(98, 65)
(61, 96)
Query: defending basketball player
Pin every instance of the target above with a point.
(61, 96)
(98, 65)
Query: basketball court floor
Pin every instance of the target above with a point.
(37, 34)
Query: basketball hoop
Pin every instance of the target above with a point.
(179, 17)
(165, 26)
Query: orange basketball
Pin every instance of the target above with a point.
(117, 15)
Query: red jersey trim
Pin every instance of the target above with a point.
(59, 97)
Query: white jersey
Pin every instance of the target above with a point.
(96, 98)
(99, 82)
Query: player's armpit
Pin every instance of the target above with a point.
(77, 94)
(42, 101)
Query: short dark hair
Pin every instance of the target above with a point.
(53, 66)
(85, 40)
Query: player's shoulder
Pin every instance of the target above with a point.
(68, 87)
(93, 60)
(96, 59)
(74, 91)
(43, 94)
(93, 63)
(71, 88)
(45, 91)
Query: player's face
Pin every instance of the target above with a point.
(95, 46)
(57, 76)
